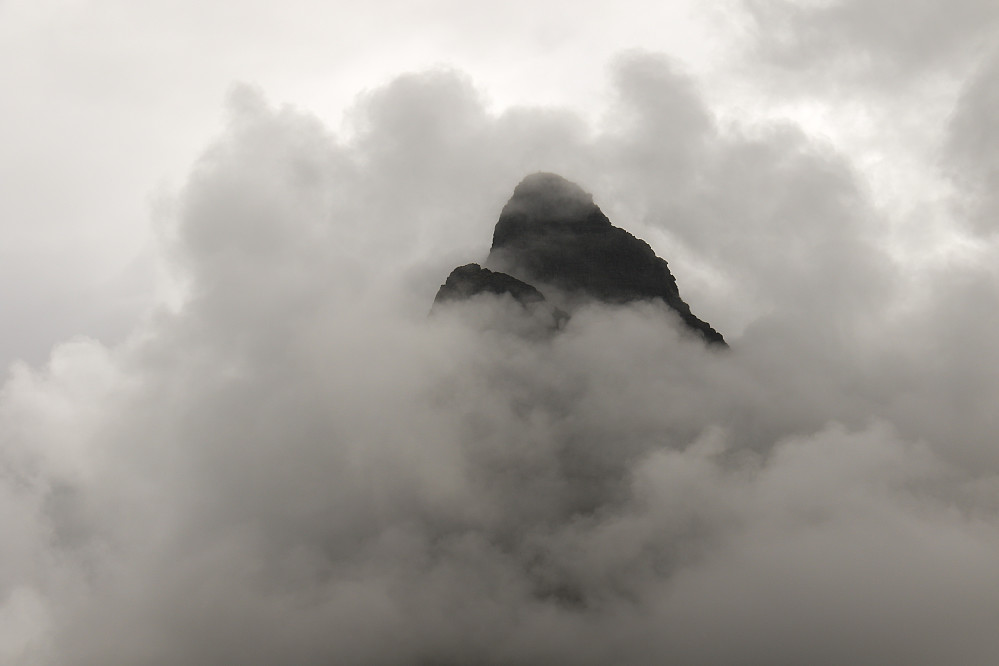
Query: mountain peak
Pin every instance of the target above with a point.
(542, 202)
(553, 237)
(549, 196)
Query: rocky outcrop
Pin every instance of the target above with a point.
(552, 240)
(471, 279)
(535, 315)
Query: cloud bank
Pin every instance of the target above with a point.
(299, 466)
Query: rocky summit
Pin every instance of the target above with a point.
(552, 242)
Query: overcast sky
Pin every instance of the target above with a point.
(109, 103)
(230, 434)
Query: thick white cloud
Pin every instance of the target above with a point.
(917, 82)
(299, 466)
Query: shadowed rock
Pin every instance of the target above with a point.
(471, 279)
(552, 239)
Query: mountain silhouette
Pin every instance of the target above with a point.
(553, 243)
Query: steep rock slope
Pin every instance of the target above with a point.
(552, 237)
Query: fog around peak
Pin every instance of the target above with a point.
(299, 466)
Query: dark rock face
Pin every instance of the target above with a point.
(539, 317)
(551, 238)
(471, 279)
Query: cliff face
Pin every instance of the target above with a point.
(552, 237)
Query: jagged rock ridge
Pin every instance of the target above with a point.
(471, 279)
(553, 241)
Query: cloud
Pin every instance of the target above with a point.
(883, 38)
(299, 466)
(971, 144)
(916, 78)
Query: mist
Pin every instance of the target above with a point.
(295, 464)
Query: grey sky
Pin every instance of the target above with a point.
(260, 450)
(110, 102)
